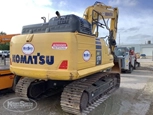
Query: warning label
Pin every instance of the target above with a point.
(59, 46)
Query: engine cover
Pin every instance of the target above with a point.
(66, 23)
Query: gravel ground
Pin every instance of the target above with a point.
(135, 97)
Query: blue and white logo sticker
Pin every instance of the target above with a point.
(28, 49)
(86, 55)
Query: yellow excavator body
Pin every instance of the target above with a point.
(79, 54)
(66, 54)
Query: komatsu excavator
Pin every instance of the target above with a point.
(6, 77)
(66, 54)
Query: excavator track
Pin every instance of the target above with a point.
(79, 97)
(38, 89)
(75, 96)
(22, 86)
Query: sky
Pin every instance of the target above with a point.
(135, 24)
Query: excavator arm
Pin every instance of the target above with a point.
(99, 11)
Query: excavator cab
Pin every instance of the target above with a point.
(96, 16)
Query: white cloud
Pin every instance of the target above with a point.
(24, 12)
(62, 3)
(21, 12)
(142, 22)
(123, 2)
(42, 2)
(134, 17)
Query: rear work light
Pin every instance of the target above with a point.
(64, 64)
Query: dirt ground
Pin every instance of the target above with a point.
(135, 97)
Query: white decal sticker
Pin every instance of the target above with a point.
(59, 46)
(86, 55)
(28, 49)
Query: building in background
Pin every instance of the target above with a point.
(142, 48)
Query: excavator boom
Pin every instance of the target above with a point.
(99, 11)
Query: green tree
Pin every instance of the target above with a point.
(2, 33)
(4, 47)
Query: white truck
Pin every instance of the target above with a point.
(128, 61)
(4, 53)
